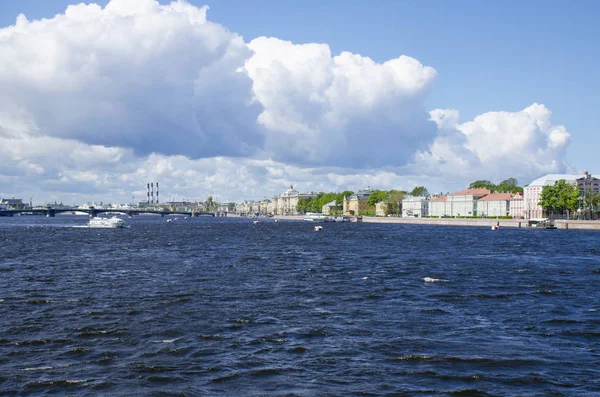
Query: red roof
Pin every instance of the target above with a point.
(471, 192)
(497, 197)
(440, 199)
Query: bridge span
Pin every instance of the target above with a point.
(92, 212)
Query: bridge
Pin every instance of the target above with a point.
(92, 212)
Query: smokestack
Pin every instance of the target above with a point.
(148, 193)
(156, 192)
(152, 192)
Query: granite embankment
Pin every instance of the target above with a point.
(487, 222)
(481, 222)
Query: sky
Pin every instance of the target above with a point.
(241, 99)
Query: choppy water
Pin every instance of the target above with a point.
(206, 306)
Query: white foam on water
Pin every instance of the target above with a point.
(165, 340)
(433, 280)
(37, 369)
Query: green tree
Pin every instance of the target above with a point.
(419, 191)
(377, 196)
(339, 199)
(561, 196)
(394, 206)
(592, 199)
(509, 182)
(482, 184)
(509, 185)
(302, 205)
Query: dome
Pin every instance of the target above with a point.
(290, 192)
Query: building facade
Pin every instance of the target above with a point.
(517, 206)
(329, 208)
(381, 208)
(439, 207)
(358, 203)
(415, 207)
(287, 202)
(494, 204)
(464, 202)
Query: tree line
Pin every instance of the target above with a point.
(392, 197)
(509, 185)
(567, 197)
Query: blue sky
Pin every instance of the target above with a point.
(489, 56)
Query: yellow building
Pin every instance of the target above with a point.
(358, 203)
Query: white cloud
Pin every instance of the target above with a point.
(321, 109)
(134, 74)
(96, 102)
(497, 145)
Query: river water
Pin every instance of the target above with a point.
(213, 306)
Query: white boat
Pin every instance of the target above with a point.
(113, 222)
(342, 219)
(315, 217)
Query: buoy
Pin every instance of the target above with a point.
(168, 220)
(256, 222)
(276, 220)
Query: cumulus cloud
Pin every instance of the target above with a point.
(496, 145)
(321, 109)
(95, 102)
(135, 74)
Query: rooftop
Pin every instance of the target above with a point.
(497, 197)
(471, 192)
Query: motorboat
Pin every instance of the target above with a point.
(541, 223)
(315, 217)
(109, 223)
(342, 219)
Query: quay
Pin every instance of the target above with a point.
(567, 224)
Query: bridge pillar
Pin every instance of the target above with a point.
(50, 213)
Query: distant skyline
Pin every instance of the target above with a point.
(242, 99)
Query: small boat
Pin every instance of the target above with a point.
(318, 228)
(103, 223)
(495, 227)
(276, 220)
(541, 223)
(315, 217)
(342, 219)
(255, 222)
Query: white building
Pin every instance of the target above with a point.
(286, 203)
(439, 207)
(415, 207)
(494, 204)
